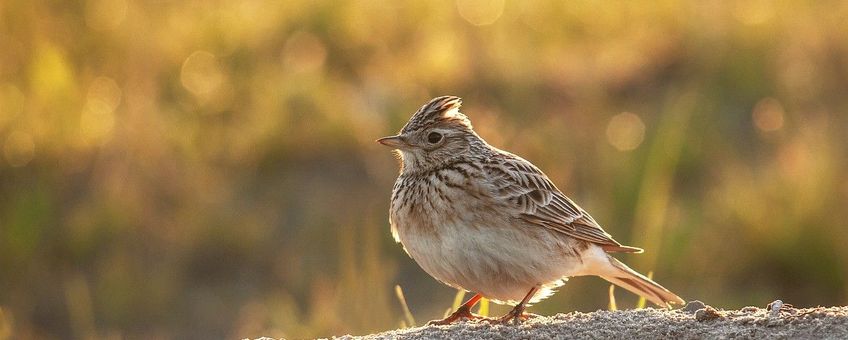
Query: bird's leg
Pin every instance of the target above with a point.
(463, 312)
(517, 313)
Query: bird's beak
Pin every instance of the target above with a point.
(393, 142)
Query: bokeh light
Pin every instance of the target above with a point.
(52, 76)
(96, 121)
(105, 90)
(303, 52)
(768, 115)
(625, 131)
(201, 74)
(97, 118)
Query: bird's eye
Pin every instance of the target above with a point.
(434, 137)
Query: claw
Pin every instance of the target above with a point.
(463, 312)
(517, 313)
(460, 314)
(513, 317)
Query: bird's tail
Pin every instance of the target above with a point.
(629, 279)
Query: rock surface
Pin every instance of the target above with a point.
(695, 321)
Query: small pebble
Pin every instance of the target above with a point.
(694, 306)
(706, 314)
(774, 308)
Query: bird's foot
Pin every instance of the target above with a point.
(514, 316)
(461, 313)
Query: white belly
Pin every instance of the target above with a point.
(500, 261)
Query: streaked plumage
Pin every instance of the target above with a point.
(487, 221)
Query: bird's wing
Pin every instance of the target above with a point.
(540, 203)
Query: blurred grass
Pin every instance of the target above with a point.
(409, 320)
(190, 169)
(457, 301)
(484, 307)
(642, 301)
(613, 306)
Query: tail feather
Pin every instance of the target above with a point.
(639, 284)
(622, 249)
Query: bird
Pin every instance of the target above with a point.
(487, 221)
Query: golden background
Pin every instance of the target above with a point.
(186, 169)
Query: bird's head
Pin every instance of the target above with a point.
(436, 134)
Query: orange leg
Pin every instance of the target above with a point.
(517, 313)
(463, 312)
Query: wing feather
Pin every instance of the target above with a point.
(541, 203)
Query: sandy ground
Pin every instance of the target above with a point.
(694, 321)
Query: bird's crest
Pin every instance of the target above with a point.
(444, 108)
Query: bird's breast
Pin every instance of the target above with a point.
(426, 206)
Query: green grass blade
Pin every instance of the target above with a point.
(642, 302)
(612, 305)
(457, 300)
(484, 307)
(406, 313)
